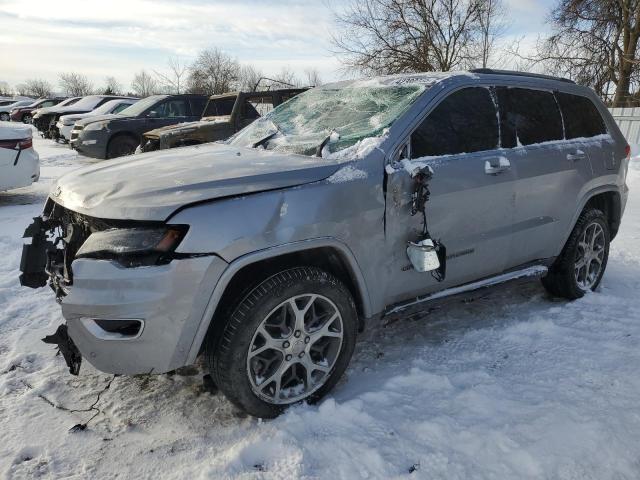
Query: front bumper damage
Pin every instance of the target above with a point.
(122, 320)
(67, 348)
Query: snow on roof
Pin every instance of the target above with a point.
(426, 79)
(14, 131)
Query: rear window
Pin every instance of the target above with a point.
(581, 117)
(464, 122)
(219, 107)
(197, 105)
(532, 116)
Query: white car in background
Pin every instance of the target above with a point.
(7, 105)
(19, 162)
(66, 122)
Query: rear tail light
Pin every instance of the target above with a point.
(627, 151)
(22, 144)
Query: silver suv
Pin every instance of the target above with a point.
(269, 253)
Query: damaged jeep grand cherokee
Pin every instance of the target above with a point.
(353, 200)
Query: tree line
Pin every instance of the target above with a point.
(594, 42)
(212, 72)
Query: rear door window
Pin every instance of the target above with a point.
(171, 108)
(581, 117)
(530, 117)
(464, 122)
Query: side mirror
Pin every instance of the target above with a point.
(423, 255)
(152, 114)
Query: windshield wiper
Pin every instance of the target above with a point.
(268, 137)
(324, 143)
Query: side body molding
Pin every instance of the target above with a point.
(236, 265)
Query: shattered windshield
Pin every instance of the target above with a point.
(333, 117)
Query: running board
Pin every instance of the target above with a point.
(529, 272)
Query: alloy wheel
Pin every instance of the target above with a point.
(590, 256)
(295, 348)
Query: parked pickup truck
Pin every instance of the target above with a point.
(224, 115)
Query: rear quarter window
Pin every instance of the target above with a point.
(581, 116)
(530, 117)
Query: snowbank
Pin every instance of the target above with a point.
(511, 385)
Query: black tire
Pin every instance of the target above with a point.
(227, 349)
(121, 145)
(4, 117)
(26, 118)
(561, 280)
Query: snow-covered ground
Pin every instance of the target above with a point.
(511, 385)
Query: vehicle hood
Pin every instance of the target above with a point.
(72, 117)
(152, 186)
(43, 111)
(71, 109)
(186, 127)
(99, 118)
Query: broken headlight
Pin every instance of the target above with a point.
(134, 247)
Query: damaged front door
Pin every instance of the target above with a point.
(471, 206)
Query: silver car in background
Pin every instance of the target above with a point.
(66, 122)
(352, 200)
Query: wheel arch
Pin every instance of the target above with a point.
(606, 198)
(120, 134)
(249, 270)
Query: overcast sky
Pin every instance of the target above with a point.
(41, 38)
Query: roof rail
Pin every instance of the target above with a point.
(520, 74)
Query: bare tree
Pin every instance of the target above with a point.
(248, 78)
(313, 78)
(594, 42)
(213, 72)
(75, 84)
(144, 84)
(393, 36)
(286, 77)
(175, 80)
(112, 87)
(34, 88)
(492, 25)
(5, 89)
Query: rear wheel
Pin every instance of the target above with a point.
(290, 339)
(582, 263)
(26, 118)
(4, 117)
(121, 145)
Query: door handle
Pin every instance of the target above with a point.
(574, 157)
(495, 166)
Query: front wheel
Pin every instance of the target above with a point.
(582, 263)
(290, 339)
(4, 117)
(26, 118)
(121, 146)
